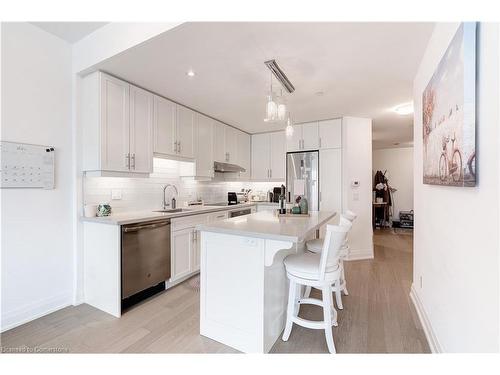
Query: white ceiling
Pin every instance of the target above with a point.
(70, 31)
(363, 69)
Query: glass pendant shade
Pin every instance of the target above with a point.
(271, 109)
(289, 128)
(281, 112)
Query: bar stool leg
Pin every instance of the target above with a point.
(327, 314)
(290, 310)
(344, 281)
(338, 294)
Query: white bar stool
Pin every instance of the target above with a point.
(321, 271)
(316, 245)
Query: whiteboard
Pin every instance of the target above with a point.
(26, 166)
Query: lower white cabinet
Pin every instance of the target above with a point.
(182, 248)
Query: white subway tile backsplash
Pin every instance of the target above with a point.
(147, 193)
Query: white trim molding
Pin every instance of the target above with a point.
(360, 254)
(25, 314)
(430, 335)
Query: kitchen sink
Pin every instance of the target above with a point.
(174, 210)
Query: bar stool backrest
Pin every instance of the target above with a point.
(334, 239)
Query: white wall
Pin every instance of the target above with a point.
(36, 224)
(357, 166)
(456, 238)
(399, 165)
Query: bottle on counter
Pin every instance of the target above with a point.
(283, 200)
(304, 206)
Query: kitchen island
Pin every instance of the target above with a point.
(243, 281)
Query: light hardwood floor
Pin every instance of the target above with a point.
(378, 317)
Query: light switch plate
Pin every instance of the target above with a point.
(116, 194)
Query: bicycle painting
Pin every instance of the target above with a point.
(448, 114)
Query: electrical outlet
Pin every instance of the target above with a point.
(116, 194)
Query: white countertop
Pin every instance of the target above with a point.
(146, 215)
(269, 225)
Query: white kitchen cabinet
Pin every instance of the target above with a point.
(244, 154)
(204, 149)
(182, 243)
(268, 156)
(294, 142)
(185, 132)
(330, 164)
(305, 137)
(219, 141)
(117, 121)
(231, 138)
(260, 156)
(141, 128)
(277, 156)
(310, 137)
(164, 126)
(330, 133)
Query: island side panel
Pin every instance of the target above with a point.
(102, 267)
(276, 290)
(232, 290)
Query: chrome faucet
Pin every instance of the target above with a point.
(172, 204)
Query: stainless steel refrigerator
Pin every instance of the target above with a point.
(302, 177)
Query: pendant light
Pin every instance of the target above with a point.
(281, 109)
(271, 107)
(289, 127)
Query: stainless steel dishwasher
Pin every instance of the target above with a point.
(145, 256)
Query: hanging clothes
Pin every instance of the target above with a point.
(382, 190)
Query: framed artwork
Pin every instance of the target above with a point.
(449, 114)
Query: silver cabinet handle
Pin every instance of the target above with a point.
(175, 147)
(133, 160)
(320, 196)
(127, 161)
(271, 173)
(179, 147)
(319, 142)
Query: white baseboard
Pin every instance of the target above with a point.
(27, 313)
(360, 254)
(424, 320)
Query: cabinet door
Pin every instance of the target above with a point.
(185, 132)
(260, 156)
(204, 146)
(330, 177)
(330, 133)
(164, 126)
(244, 152)
(115, 136)
(219, 142)
(294, 142)
(231, 146)
(141, 130)
(182, 252)
(310, 136)
(277, 152)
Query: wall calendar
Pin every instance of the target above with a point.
(26, 165)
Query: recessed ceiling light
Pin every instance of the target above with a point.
(190, 73)
(266, 120)
(404, 109)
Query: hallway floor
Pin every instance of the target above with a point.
(378, 317)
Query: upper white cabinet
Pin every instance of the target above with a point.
(231, 138)
(243, 152)
(117, 121)
(164, 126)
(204, 149)
(185, 132)
(330, 133)
(305, 137)
(141, 128)
(310, 137)
(268, 156)
(219, 142)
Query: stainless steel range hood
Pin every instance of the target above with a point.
(227, 168)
